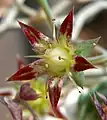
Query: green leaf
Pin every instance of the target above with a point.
(78, 77)
(85, 48)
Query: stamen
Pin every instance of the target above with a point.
(46, 65)
(34, 56)
(54, 29)
(60, 58)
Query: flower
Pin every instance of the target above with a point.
(57, 58)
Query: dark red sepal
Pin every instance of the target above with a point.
(32, 34)
(27, 93)
(54, 90)
(67, 25)
(25, 73)
(81, 64)
(58, 114)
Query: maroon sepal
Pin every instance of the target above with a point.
(81, 64)
(27, 93)
(58, 114)
(67, 25)
(54, 90)
(25, 73)
(32, 34)
(20, 62)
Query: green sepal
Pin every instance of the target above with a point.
(78, 77)
(85, 48)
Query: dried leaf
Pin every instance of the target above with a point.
(81, 64)
(13, 107)
(67, 25)
(85, 48)
(27, 93)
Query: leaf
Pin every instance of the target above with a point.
(67, 25)
(79, 78)
(32, 34)
(81, 64)
(13, 107)
(85, 48)
(27, 93)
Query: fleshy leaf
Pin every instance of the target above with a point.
(13, 107)
(25, 73)
(27, 93)
(32, 34)
(67, 25)
(85, 48)
(79, 78)
(81, 64)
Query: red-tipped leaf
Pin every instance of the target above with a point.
(81, 64)
(67, 25)
(32, 34)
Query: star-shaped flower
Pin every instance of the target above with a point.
(57, 58)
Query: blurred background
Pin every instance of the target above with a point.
(90, 21)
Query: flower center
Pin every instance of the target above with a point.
(58, 60)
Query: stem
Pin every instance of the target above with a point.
(26, 105)
(44, 4)
(98, 59)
